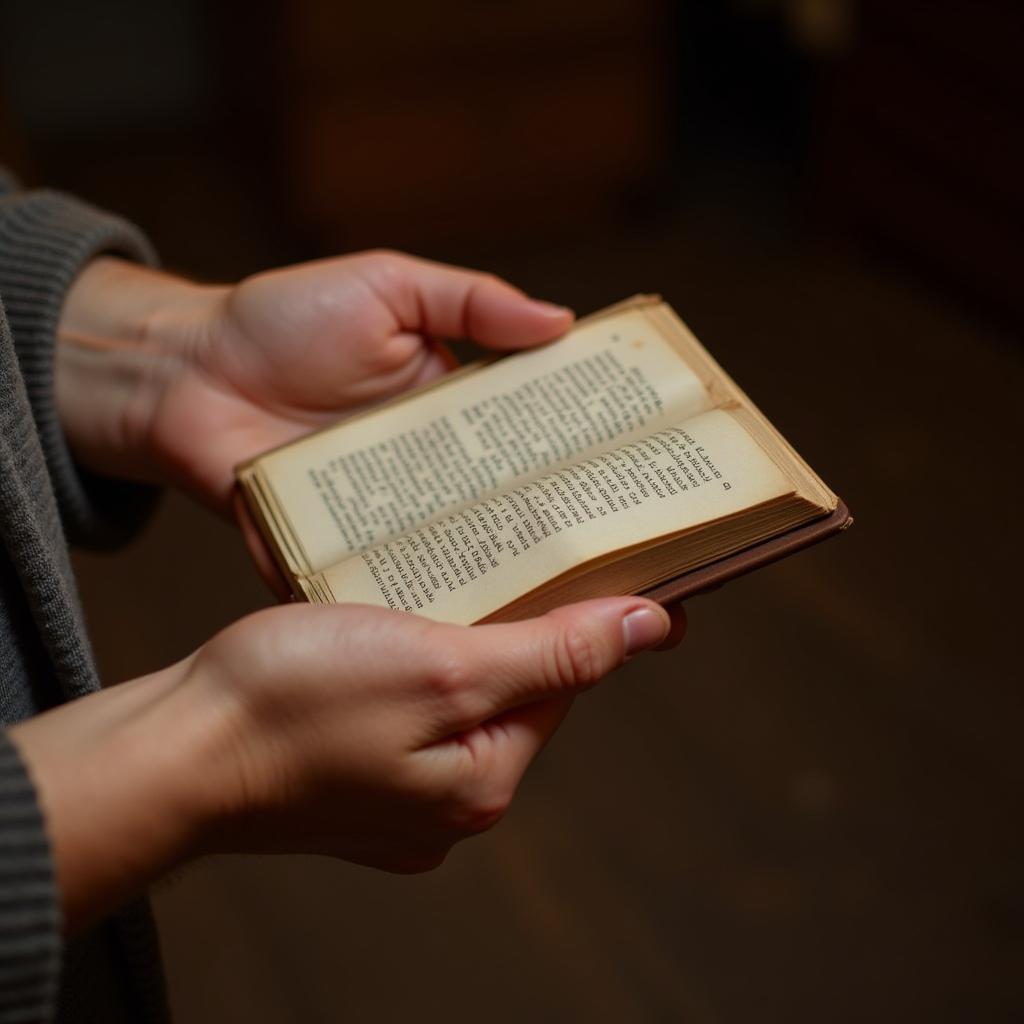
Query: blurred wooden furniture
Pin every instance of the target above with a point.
(467, 120)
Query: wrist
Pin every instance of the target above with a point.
(129, 783)
(119, 301)
(125, 332)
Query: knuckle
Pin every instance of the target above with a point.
(482, 281)
(445, 675)
(449, 681)
(575, 659)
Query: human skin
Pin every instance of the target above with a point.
(370, 735)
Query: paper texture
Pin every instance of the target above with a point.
(468, 565)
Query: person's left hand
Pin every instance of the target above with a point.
(161, 379)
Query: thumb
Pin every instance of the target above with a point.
(563, 652)
(453, 302)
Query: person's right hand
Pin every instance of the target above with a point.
(374, 736)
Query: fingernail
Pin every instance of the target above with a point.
(642, 629)
(551, 309)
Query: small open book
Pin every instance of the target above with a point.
(620, 459)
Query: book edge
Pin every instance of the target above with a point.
(715, 574)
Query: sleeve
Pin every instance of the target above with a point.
(46, 238)
(30, 925)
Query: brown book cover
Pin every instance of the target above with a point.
(709, 577)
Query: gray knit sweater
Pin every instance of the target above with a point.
(112, 973)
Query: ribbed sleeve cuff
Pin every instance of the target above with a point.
(30, 923)
(46, 238)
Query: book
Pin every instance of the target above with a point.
(619, 459)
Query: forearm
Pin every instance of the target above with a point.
(128, 781)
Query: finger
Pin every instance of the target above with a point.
(678, 629)
(443, 354)
(257, 548)
(438, 361)
(504, 666)
(458, 303)
(482, 768)
(511, 741)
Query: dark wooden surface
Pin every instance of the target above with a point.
(809, 812)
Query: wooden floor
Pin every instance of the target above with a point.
(810, 812)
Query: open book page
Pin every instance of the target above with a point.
(468, 565)
(367, 481)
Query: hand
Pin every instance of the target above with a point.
(374, 736)
(162, 379)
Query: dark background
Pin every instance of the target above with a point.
(810, 811)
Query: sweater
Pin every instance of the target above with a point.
(111, 973)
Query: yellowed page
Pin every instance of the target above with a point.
(351, 488)
(468, 565)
